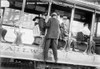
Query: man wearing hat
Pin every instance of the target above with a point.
(52, 36)
(64, 27)
(41, 23)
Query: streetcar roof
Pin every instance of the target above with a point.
(79, 3)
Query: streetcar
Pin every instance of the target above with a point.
(29, 54)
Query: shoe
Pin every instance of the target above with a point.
(56, 60)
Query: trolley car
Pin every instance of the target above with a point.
(28, 56)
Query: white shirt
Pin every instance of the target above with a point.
(86, 31)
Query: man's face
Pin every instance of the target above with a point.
(64, 20)
(54, 16)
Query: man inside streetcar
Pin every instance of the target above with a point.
(52, 36)
(85, 37)
(86, 30)
(41, 22)
(64, 28)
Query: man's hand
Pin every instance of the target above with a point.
(36, 23)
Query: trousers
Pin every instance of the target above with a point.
(50, 43)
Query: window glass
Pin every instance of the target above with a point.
(30, 30)
(98, 30)
(76, 27)
(12, 16)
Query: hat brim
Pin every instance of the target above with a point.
(65, 18)
(36, 18)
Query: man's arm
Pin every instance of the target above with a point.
(48, 23)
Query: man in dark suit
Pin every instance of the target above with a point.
(52, 36)
(41, 22)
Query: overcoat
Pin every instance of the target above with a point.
(53, 28)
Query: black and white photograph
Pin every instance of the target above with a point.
(49, 34)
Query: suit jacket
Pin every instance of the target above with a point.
(41, 23)
(53, 28)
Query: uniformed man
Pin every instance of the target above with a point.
(52, 36)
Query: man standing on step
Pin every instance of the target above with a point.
(52, 36)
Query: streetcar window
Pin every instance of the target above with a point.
(97, 26)
(12, 16)
(98, 30)
(11, 22)
(76, 27)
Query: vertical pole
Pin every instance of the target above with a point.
(23, 6)
(18, 40)
(22, 12)
(92, 32)
(96, 27)
(49, 10)
(92, 27)
(70, 25)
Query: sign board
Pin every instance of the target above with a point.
(4, 3)
(35, 53)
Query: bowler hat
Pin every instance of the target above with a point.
(36, 18)
(54, 14)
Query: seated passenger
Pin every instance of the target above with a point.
(83, 34)
(85, 38)
(64, 28)
(86, 30)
